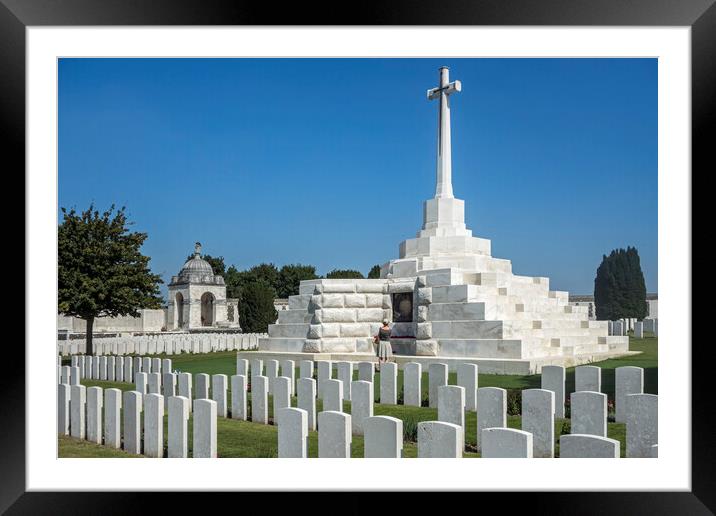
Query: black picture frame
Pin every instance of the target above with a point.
(700, 15)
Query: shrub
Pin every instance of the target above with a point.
(425, 401)
(514, 402)
(566, 427)
(410, 429)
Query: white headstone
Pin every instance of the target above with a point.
(166, 365)
(74, 375)
(344, 372)
(95, 401)
(95, 367)
(219, 385)
(146, 365)
(154, 383)
(333, 395)
(63, 408)
(389, 383)
(582, 446)
(66, 375)
(307, 399)
(292, 432)
(467, 379)
(437, 439)
(257, 366)
(451, 405)
(103, 368)
(588, 378)
(639, 330)
(238, 397)
(506, 443)
(366, 371)
(412, 384)
(202, 387)
(157, 366)
(281, 394)
(111, 369)
(119, 369)
(112, 411)
(184, 384)
(169, 388)
(642, 424)
(361, 405)
(589, 413)
(437, 376)
(628, 380)
(288, 370)
(334, 434)
(491, 409)
(306, 369)
(538, 419)
(204, 429)
(128, 370)
(383, 437)
(78, 400)
(131, 413)
(154, 425)
(271, 373)
(259, 399)
(141, 381)
(325, 372)
(177, 431)
(242, 367)
(553, 378)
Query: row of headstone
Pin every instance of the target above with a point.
(112, 368)
(170, 344)
(94, 414)
(620, 327)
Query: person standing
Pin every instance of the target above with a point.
(385, 351)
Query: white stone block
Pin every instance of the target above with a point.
(437, 439)
(412, 384)
(219, 384)
(112, 411)
(344, 372)
(204, 429)
(437, 377)
(95, 401)
(581, 446)
(389, 383)
(451, 405)
(506, 443)
(281, 394)
(292, 432)
(366, 371)
(333, 395)
(154, 425)
(538, 420)
(202, 387)
(334, 434)
(361, 405)
(491, 409)
(177, 427)
(642, 424)
(553, 378)
(588, 378)
(63, 408)
(325, 372)
(307, 399)
(628, 380)
(306, 369)
(238, 397)
(589, 413)
(78, 401)
(383, 437)
(467, 379)
(259, 399)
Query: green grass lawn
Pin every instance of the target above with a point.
(246, 439)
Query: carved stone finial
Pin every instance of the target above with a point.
(197, 249)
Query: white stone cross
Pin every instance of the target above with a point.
(443, 186)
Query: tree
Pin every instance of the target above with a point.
(619, 287)
(217, 263)
(374, 272)
(256, 310)
(100, 269)
(290, 277)
(344, 274)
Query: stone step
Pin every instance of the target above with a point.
(467, 330)
(456, 312)
(294, 317)
(480, 348)
(281, 344)
(299, 302)
(288, 330)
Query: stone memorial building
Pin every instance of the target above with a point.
(448, 298)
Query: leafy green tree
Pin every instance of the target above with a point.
(100, 269)
(256, 310)
(374, 272)
(344, 274)
(619, 287)
(217, 263)
(290, 277)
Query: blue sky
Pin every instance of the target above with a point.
(327, 161)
